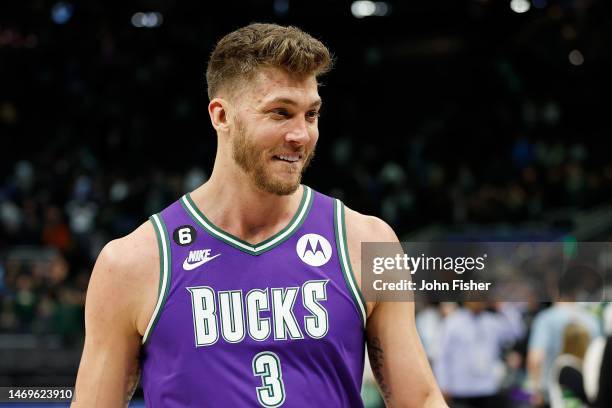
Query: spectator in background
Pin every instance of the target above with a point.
(597, 367)
(565, 382)
(546, 339)
(55, 231)
(469, 367)
(429, 322)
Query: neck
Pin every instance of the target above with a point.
(233, 203)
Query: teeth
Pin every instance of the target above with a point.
(289, 158)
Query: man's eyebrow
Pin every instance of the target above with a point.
(317, 103)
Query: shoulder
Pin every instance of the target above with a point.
(590, 321)
(129, 254)
(362, 227)
(542, 319)
(547, 314)
(125, 275)
(542, 329)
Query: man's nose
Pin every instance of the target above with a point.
(298, 133)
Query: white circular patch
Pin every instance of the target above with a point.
(314, 249)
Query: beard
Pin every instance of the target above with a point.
(253, 160)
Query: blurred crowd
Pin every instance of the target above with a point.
(520, 354)
(75, 207)
(50, 241)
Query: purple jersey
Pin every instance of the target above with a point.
(241, 325)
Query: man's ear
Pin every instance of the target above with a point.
(219, 115)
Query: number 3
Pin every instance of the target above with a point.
(267, 366)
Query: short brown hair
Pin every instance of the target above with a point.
(240, 53)
(576, 340)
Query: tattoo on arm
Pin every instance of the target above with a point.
(376, 354)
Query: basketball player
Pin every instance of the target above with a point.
(244, 292)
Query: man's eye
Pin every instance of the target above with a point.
(281, 112)
(313, 114)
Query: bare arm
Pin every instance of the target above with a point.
(396, 355)
(397, 358)
(109, 369)
(538, 340)
(535, 361)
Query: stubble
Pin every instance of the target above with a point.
(252, 160)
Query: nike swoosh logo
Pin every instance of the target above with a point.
(191, 266)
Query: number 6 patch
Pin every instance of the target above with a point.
(184, 235)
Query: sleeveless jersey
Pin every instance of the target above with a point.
(279, 323)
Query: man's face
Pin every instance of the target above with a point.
(276, 129)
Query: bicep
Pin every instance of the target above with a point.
(397, 357)
(109, 363)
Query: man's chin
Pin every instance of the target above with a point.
(279, 187)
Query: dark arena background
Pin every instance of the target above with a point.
(449, 119)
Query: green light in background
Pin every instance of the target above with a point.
(570, 246)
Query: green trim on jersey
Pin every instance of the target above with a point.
(165, 272)
(345, 262)
(266, 245)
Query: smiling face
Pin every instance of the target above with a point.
(275, 129)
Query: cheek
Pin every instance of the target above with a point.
(314, 136)
(265, 137)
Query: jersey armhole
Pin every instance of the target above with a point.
(165, 271)
(345, 262)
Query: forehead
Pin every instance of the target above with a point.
(273, 84)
